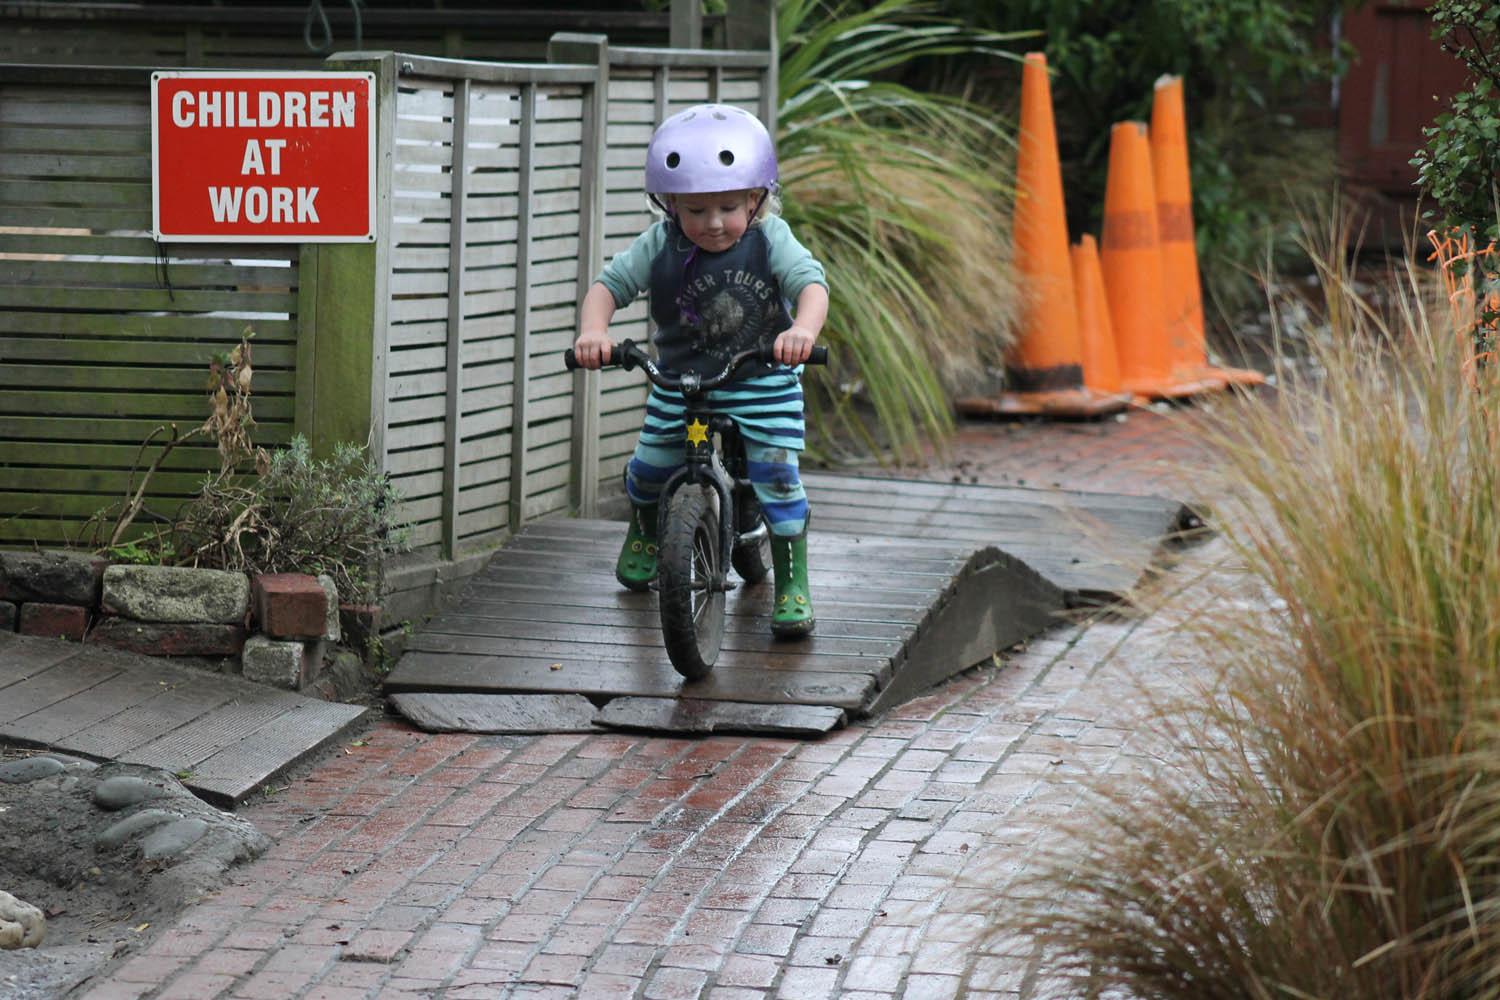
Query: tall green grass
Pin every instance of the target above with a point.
(904, 195)
(1330, 827)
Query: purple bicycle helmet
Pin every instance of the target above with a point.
(710, 147)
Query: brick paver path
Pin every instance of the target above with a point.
(858, 866)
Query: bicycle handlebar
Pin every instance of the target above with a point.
(627, 355)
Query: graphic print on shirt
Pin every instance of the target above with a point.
(710, 306)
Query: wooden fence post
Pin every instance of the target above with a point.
(751, 24)
(520, 383)
(685, 30)
(453, 384)
(592, 50)
(343, 298)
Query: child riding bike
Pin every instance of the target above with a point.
(719, 272)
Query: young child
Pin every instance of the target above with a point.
(720, 271)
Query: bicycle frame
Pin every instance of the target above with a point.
(700, 468)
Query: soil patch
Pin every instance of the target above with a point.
(108, 852)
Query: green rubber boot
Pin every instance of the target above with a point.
(792, 614)
(636, 567)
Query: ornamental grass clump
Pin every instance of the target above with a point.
(904, 196)
(1326, 820)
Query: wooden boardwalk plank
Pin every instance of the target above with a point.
(647, 634)
(913, 582)
(182, 700)
(230, 735)
(261, 755)
(88, 707)
(422, 671)
(497, 713)
(696, 717)
(60, 681)
(23, 656)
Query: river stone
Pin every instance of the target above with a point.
(126, 790)
(16, 772)
(174, 838)
(49, 577)
(21, 924)
(146, 819)
(176, 594)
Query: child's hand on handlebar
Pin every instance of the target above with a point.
(794, 345)
(593, 349)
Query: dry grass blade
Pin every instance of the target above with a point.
(1329, 824)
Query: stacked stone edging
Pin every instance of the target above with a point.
(50, 593)
(274, 628)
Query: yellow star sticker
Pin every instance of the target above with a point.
(697, 432)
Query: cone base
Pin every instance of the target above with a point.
(1235, 376)
(1174, 388)
(1062, 404)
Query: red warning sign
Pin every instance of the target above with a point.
(263, 157)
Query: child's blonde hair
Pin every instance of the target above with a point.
(770, 203)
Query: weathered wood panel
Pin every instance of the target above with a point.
(105, 335)
(227, 735)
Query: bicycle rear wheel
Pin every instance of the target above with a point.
(751, 559)
(692, 611)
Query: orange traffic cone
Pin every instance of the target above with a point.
(1131, 262)
(1045, 371)
(1182, 300)
(1096, 336)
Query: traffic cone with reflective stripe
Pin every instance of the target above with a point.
(1182, 299)
(1044, 374)
(1096, 336)
(1131, 262)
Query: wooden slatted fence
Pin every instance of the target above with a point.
(104, 334)
(509, 185)
(262, 36)
(501, 190)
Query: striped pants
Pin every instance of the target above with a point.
(768, 412)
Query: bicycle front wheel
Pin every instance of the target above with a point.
(692, 611)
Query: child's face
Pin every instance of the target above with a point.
(715, 222)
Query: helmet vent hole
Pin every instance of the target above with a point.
(726, 157)
(721, 116)
(672, 160)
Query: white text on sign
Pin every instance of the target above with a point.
(235, 109)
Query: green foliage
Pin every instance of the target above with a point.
(1459, 168)
(1244, 63)
(299, 515)
(149, 551)
(1326, 827)
(902, 194)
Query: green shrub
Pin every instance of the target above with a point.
(1330, 827)
(1459, 169)
(299, 515)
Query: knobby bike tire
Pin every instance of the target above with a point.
(692, 616)
(752, 560)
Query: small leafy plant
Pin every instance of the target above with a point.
(334, 516)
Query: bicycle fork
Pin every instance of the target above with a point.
(700, 469)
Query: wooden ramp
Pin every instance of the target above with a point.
(224, 736)
(913, 582)
(1093, 546)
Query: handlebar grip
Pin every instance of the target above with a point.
(819, 355)
(570, 360)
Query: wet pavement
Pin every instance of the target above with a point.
(861, 865)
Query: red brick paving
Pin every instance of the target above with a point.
(858, 866)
